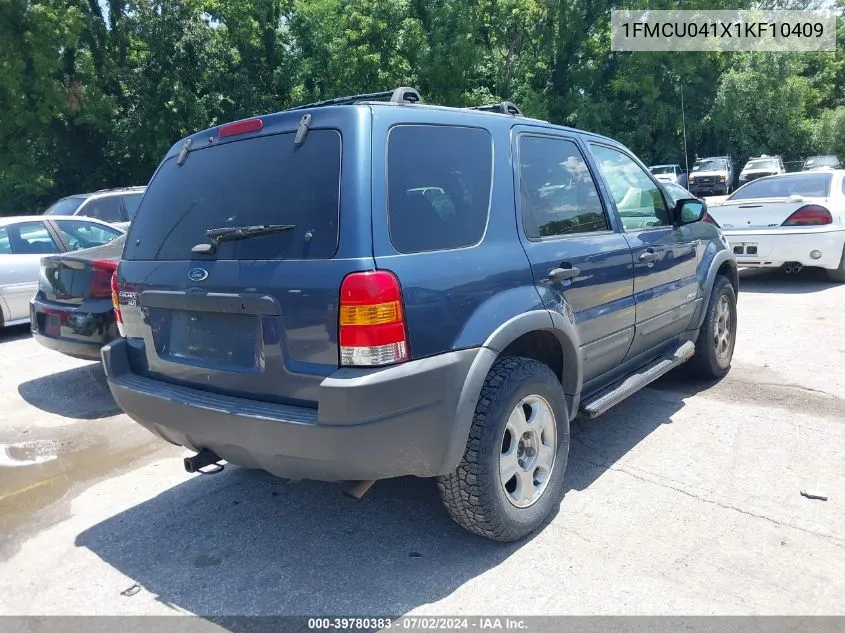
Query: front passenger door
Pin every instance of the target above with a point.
(665, 257)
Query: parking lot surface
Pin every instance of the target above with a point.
(685, 499)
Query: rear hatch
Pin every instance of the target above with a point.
(252, 317)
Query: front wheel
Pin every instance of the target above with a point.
(714, 348)
(511, 474)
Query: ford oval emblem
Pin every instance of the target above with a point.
(197, 274)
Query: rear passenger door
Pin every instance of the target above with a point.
(665, 257)
(21, 248)
(579, 262)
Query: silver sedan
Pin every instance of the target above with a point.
(24, 240)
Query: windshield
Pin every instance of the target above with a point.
(710, 164)
(822, 161)
(65, 206)
(766, 163)
(806, 185)
(662, 169)
(257, 181)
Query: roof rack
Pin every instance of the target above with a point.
(505, 107)
(402, 94)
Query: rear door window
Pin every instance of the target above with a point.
(5, 244)
(438, 186)
(809, 185)
(558, 194)
(105, 209)
(31, 238)
(250, 182)
(131, 203)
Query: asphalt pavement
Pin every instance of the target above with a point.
(684, 499)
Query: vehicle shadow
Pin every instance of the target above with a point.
(243, 542)
(15, 333)
(778, 282)
(80, 393)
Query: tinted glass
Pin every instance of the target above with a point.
(558, 194)
(809, 185)
(31, 238)
(5, 245)
(638, 200)
(438, 186)
(131, 202)
(263, 180)
(65, 206)
(78, 234)
(105, 209)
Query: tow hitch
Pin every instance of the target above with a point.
(202, 459)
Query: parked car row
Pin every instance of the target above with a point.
(714, 176)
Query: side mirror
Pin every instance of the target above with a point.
(687, 211)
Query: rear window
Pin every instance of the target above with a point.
(258, 181)
(438, 186)
(65, 206)
(662, 169)
(808, 185)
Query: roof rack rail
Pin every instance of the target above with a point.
(505, 107)
(402, 94)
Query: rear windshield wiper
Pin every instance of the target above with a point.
(232, 233)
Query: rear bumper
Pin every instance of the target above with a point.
(78, 331)
(773, 249)
(370, 423)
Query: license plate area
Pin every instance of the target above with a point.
(211, 338)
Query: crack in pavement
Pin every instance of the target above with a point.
(827, 537)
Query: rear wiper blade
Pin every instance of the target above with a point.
(232, 233)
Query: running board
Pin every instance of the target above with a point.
(635, 382)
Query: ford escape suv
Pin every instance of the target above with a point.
(373, 287)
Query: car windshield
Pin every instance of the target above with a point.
(662, 169)
(65, 206)
(765, 163)
(806, 185)
(822, 161)
(710, 164)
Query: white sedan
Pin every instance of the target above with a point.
(787, 221)
(24, 240)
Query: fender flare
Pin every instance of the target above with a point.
(718, 259)
(532, 321)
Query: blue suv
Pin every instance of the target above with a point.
(372, 287)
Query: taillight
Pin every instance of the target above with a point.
(709, 219)
(240, 127)
(371, 320)
(101, 276)
(115, 299)
(809, 215)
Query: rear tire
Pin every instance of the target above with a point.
(716, 340)
(521, 429)
(838, 274)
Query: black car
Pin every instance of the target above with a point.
(72, 312)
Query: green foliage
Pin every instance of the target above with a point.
(93, 92)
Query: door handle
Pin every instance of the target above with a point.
(562, 274)
(648, 256)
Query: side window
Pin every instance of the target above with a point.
(638, 200)
(843, 185)
(105, 209)
(32, 239)
(131, 202)
(438, 186)
(5, 244)
(557, 191)
(78, 234)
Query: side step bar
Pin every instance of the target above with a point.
(635, 382)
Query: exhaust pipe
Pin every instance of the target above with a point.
(202, 459)
(792, 268)
(357, 489)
